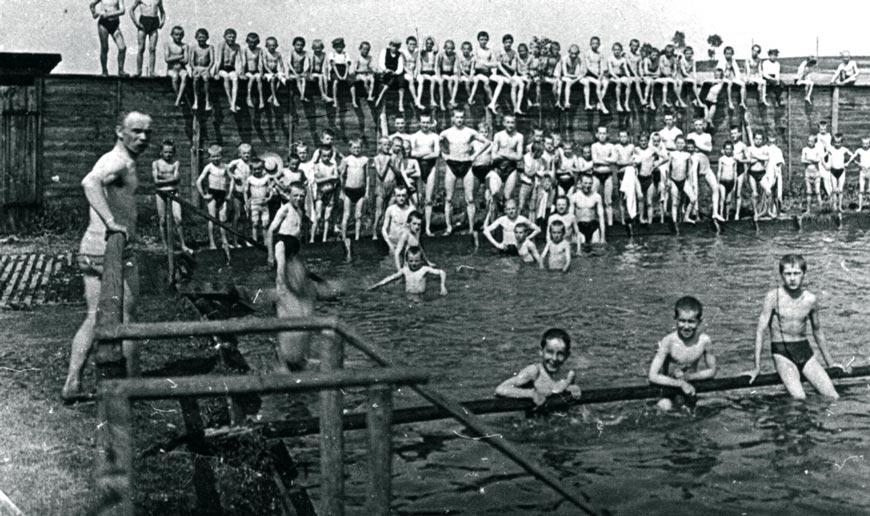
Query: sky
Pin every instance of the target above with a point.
(66, 27)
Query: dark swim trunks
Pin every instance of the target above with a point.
(227, 68)
(354, 194)
(480, 172)
(426, 167)
(657, 176)
(837, 172)
(504, 166)
(799, 352)
(587, 228)
(511, 250)
(149, 24)
(458, 168)
(757, 174)
(645, 182)
(680, 184)
(220, 196)
(728, 184)
(110, 24)
(292, 245)
(602, 176)
(566, 181)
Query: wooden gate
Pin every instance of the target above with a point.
(20, 142)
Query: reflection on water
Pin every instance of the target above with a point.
(741, 452)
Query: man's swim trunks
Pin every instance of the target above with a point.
(458, 168)
(587, 228)
(354, 194)
(728, 184)
(504, 166)
(426, 167)
(149, 24)
(799, 352)
(219, 196)
(645, 182)
(110, 24)
(292, 244)
(837, 172)
(480, 172)
(757, 174)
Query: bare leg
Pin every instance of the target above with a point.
(449, 187)
(608, 200)
(468, 187)
(790, 376)
(122, 52)
(345, 216)
(140, 50)
(738, 192)
(335, 93)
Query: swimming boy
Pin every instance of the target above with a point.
(538, 381)
(414, 272)
(354, 170)
(588, 211)
(396, 218)
(229, 64)
(177, 56)
(109, 24)
(151, 18)
(252, 67)
(410, 238)
(785, 312)
(219, 188)
(683, 355)
(557, 252)
(508, 223)
(166, 174)
(203, 62)
(257, 191)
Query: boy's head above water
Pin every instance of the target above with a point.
(414, 258)
(555, 349)
(687, 314)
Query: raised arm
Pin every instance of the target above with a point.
(487, 232)
(535, 231)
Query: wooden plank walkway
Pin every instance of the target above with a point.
(29, 280)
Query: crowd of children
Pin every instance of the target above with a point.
(423, 67)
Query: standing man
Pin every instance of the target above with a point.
(458, 155)
(110, 188)
(507, 153)
(425, 148)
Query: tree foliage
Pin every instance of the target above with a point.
(679, 39)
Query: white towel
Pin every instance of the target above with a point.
(628, 187)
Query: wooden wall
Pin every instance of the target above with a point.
(79, 114)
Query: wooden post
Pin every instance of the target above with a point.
(331, 436)
(170, 236)
(204, 481)
(835, 110)
(378, 419)
(109, 357)
(194, 157)
(115, 460)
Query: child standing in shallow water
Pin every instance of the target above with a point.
(543, 379)
(414, 271)
(681, 353)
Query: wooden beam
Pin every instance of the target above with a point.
(331, 431)
(115, 460)
(835, 110)
(170, 330)
(215, 386)
(109, 357)
(378, 420)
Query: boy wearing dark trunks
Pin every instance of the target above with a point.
(109, 24)
(354, 171)
(220, 187)
(683, 355)
(651, 158)
(425, 148)
(177, 55)
(252, 67)
(603, 158)
(458, 154)
(727, 177)
(588, 210)
(204, 66)
(151, 18)
(538, 381)
(166, 174)
(682, 192)
(229, 64)
(786, 311)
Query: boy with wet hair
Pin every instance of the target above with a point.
(252, 67)
(177, 56)
(204, 64)
(538, 381)
(257, 191)
(683, 355)
(414, 272)
(785, 313)
(229, 64)
(557, 252)
(165, 172)
(219, 188)
(109, 24)
(151, 18)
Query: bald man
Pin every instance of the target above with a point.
(110, 188)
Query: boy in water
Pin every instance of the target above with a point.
(538, 381)
(410, 238)
(165, 172)
(203, 62)
(681, 353)
(526, 248)
(588, 210)
(257, 191)
(229, 63)
(354, 171)
(863, 155)
(109, 24)
(219, 188)
(151, 18)
(508, 223)
(414, 272)
(557, 252)
(177, 55)
(792, 306)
